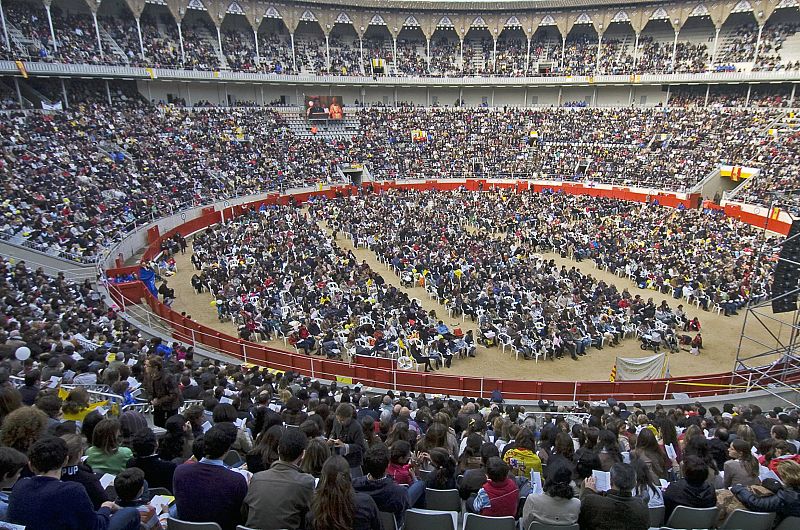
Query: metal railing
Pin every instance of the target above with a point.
(89, 70)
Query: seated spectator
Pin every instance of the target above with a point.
(693, 490)
(208, 491)
(647, 488)
(473, 479)
(129, 485)
(78, 471)
(317, 453)
(265, 452)
(443, 470)
(616, 509)
(280, 497)
(400, 466)
(743, 466)
(499, 495)
(22, 428)
(336, 506)
(31, 388)
(786, 500)
(105, 455)
(11, 464)
(557, 505)
(44, 502)
(388, 496)
(522, 457)
(176, 444)
(157, 472)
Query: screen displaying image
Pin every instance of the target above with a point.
(324, 108)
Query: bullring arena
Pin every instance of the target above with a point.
(399, 264)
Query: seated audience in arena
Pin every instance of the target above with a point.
(43, 502)
(157, 472)
(693, 490)
(336, 506)
(105, 454)
(557, 504)
(785, 501)
(207, 490)
(616, 508)
(280, 497)
(129, 487)
(388, 496)
(11, 464)
(499, 495)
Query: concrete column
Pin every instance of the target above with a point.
(180, 38)
(141, 41)
(294, 57)
(599, 52)
(714, 53)
(5, 29)
(97, 32)
(563, 50)
(636, 51)
(758, 43)
(528, 56)
(255, 38)
(52, 31)
(64, 104)
(674, 49)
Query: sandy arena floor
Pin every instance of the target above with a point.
(720, 334)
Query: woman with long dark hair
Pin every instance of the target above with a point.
(336, 506)
(557, 504)
(265, 451)
(608, 449)
(647, 488)
(443, 476)
(743, 468)
(176, 444)
(651, 454)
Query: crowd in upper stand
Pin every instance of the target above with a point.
(77, 178)
(77, 43)
(247, 445)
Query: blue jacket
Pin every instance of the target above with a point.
(66, 506)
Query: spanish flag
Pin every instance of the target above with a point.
(613, 376)
(22, 69)
(775, 213)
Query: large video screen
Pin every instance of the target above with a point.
(324, 108)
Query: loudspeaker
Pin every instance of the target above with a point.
(786, 276)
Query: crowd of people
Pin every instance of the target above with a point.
(479, 254)
(244, 445)
(475, 55)
(78, 178)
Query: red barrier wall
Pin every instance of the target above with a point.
(380, 372)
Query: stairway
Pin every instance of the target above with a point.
(21, 43)
(210, 38)
(110, 46)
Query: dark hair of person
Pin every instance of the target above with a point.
(487, 452)
(11, 462)
(317, 453)
(564, 446)
(496, 469)
(376, 460)
(644, 478)
(144, 442)
(47, 453)
(266, 445)
(173, 442)
(106, 436)
(623, 477)
(292, 444)
(399, 451)
(525, 439)
(224, 412)
(10, 400)
(558, 482)
(748, 461)
(444, 467)
(128, 483)
(695, 469)
(608, 441)
(333, 506)
(217, 441)
(368, 426)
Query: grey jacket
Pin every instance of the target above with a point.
(279, 497)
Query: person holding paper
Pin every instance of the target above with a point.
(557, 504)
(615, 509)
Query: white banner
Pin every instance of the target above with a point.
(52, 106)
(641, 368)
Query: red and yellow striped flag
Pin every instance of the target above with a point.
(775, 213)
(613, 376)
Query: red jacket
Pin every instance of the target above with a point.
(504, 498)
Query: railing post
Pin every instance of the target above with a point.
(244, 351)
(312, 368)
(481, 387)
(194, 341)
(749, 380)
(575, 391)
(666, 390)
(394, 378)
